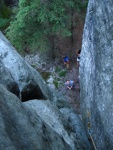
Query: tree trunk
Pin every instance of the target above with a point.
(52, 47)
(72, 35)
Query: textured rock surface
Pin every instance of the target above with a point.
(35, 125)
(7, 80)
(96, 72)
(78, 128)
(29, 81)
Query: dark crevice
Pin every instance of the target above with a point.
(13, 88)
(32, 92)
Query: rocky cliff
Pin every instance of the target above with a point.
(29, 81)
(33, 116)
(96, 73)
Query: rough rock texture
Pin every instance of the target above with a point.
(58, 99)
(96, 72)
(7, 80)
(29, 81)
(35, 125)
(77, 126)
(65, 129)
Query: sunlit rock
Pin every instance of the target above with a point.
(29, 81)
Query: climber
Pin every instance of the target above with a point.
(78, 57)
(70, 84)
(67, 62)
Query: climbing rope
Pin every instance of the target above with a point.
(89, 130)
(93, 141)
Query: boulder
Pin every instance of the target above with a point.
(29, 81)
(7, 80)
(76, 124)
(60, 125)
(96, 73)
(34, 125)
(58, 99)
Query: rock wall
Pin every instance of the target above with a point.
(42, 119)
(96, 72)
(7, 80)
(38, 125)
(30, 83)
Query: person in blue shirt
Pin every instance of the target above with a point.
(70, 84)
(66, 59)
(67, 62)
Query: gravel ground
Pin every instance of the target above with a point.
(73, 96)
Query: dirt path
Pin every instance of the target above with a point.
(73, 96)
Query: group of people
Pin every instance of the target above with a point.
(70, 84)
(66, 60)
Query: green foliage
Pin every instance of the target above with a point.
(5, 13)
(80, 6)
(3, 23)
(62, 73)
(45, 75)
(4, 10)
(55, 82)
(37, 22)
(58, 69)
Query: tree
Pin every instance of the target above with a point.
(5, 13)
(39, 22)
(80, 7)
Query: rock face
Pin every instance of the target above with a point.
(29, 81)
(7, 80)
(96, 72)
(36, 125)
